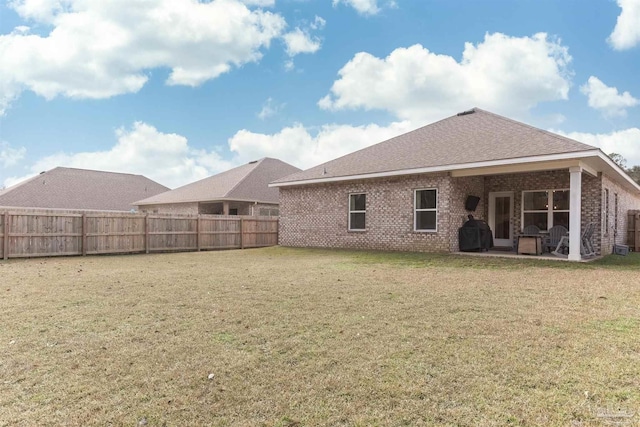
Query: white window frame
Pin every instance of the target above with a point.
(357, 211)
(549, 211)
(606, 210)
(615, 217)
(416, 210)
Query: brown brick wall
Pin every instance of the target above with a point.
(460, 189)
(317, 215)
(626, 202)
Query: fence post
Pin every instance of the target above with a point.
(241, 233)
(146, 233)
(636, 227)
(84, 234)
(198, 239)
(6, 236)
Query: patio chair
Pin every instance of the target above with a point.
(555, 234)
(586, 245)
(531, 230)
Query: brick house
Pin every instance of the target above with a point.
(243, 190)
(408, 193)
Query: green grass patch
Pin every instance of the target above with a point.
(351, 258)
(623, 325)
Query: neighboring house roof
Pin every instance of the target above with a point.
(69, 188)
(247, 182)
(469, 137)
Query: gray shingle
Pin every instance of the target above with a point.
(247, 182)
(466, 138)
(69, 188)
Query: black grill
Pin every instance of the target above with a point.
(475, 235)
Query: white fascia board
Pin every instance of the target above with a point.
(619, 170)
(220, 199)
(446, 168)
(528, 167)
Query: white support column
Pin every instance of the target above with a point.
(575, 213)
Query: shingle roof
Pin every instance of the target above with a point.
(69, 188)
(472, 136)
(247, 182)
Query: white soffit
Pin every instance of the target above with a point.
(526, 167)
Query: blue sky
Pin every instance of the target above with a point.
(178, 90)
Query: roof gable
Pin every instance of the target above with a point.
(247, 182)
(473, 136)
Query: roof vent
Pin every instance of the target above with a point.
(464, 113)
(253, 161)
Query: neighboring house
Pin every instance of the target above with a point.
(240, 191)
(409, 193)
(80, 189)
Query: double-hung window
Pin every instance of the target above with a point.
(545, 208)
(357, 212)
(425, 210)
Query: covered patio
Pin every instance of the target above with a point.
(543, 194)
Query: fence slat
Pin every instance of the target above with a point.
(636, 228)
(198, 238)
(146, 234)
(5, 251)
(241, 233)
(84, 235)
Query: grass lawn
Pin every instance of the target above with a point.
(299, 337)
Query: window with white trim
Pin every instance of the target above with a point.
(545, 208)
(615, 217)
(357, 211)
(605, 216)
(425, 205)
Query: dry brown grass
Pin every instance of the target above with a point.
(308, 337)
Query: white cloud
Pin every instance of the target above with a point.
(98, 49)
(163, 157)
(607, 99)
(260, 3)
(626, 33)
(269, 109)
(363, 7)
(39, 10)
(168, 159)
(625, 142)
(318, 23)
(289, 65)
(299, 41)
(9, 156)
(305, 148)
(508, 75)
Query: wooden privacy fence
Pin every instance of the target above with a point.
(633, 238)
(29, 233)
